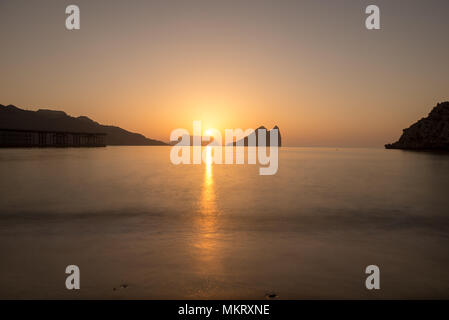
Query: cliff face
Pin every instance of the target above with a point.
(12, 117)
(431, 133)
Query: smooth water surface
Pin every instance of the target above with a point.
(141, 227)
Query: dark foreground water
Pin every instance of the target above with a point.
(127, 216)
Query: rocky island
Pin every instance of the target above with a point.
(252, 140)
(430, 133)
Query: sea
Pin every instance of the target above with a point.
(139, 227)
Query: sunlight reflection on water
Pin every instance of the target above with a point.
(205, 246)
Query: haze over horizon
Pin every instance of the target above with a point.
(309, 67)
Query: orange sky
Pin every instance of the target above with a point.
(310, 67)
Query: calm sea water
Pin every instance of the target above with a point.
(127, 216)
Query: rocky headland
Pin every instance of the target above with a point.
(430, 133)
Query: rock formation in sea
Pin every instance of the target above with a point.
(430, 133)
(247, 141)
(15, 118)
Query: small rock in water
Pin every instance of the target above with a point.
(271, 295)
(124, 286)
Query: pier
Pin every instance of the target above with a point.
(12, 138)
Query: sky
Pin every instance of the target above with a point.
(310, 67)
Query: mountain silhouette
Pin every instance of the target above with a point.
(430, 133)
(15, 118)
